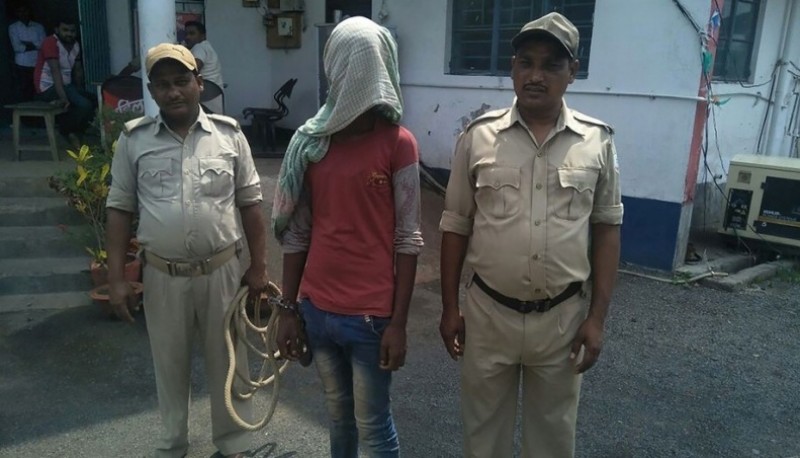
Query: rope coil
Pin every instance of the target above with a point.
(237, 327)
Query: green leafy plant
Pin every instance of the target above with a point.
(86, 185)
(86, 188)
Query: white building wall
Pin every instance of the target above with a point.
(300, 63)
(739, 120)
(240, 39)
(119, 33)
(639, 47)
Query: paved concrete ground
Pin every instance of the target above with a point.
(686, 372)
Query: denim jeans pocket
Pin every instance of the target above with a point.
(376, 325)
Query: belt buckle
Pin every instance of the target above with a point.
(184, 269)
(539, 306)
(203, 265)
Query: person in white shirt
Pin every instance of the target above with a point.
(26, 39)
(207, 61)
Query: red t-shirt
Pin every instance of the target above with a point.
(350, 264)
(53, 49)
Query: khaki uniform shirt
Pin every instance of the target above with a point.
(527, 207)
(185, 190)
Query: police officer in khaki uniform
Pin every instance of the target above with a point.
(186, 173)
(528, 185)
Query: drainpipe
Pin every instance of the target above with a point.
(156, 25)
(789, 51)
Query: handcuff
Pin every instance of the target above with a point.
(284, 304)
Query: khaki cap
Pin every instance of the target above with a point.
(555, 25)
(170, 51)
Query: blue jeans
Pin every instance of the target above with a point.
(346, 351)
(80, 111)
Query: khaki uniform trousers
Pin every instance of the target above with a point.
(177, 309)
(502, 346)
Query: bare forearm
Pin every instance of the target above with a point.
(454, 248)
(405, 273)
(293, 266)
(118, 235)
(255, 232)
(605, 260)
(58, 83)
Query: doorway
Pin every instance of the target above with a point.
(348, 8)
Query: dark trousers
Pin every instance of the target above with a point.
(80, 111)
(25, 78)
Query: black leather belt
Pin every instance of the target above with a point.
(539, 306)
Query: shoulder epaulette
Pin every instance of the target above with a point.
(134, 124)
(494, 114)
(225, 120)
(590, 120)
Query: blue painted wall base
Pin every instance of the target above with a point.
(650, 232)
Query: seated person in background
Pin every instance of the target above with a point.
(58, 78)
(207, 61)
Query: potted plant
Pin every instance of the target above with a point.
(86, 187)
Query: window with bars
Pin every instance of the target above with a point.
(736, 42)
(483, 29)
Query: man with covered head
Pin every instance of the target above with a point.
(347, 214)
(187, 175)
(529, 185)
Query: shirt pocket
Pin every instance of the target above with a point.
(216, 176)
(574, 197)
(158, 178)
(498, 193)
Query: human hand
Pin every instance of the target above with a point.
(590, 337)
(393, 347)
(257, 280)
(122, 299)
(289, 335)
(63, 103)
(451, 327)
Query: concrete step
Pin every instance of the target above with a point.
(745, 277)
(45, 301)
(730, 264)
(39, 241)
(44, 275)
(37, 211)
(26, 187)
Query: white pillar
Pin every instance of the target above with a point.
(778, 142)
(156, 25)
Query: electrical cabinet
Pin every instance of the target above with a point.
(763, 199)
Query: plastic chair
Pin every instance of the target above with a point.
(264, 119)
(211, 91)
(123, 93)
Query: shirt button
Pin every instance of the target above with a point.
(538, 186)
(536, 257)
(537, 222)
(539, 155)
(188, 202)
(496, 184)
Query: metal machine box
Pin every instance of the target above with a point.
(763, 199)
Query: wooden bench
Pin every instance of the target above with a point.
(36, 109)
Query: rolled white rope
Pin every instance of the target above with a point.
(237, 323)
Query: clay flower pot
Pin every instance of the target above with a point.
(132, 271)
(100, 297)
